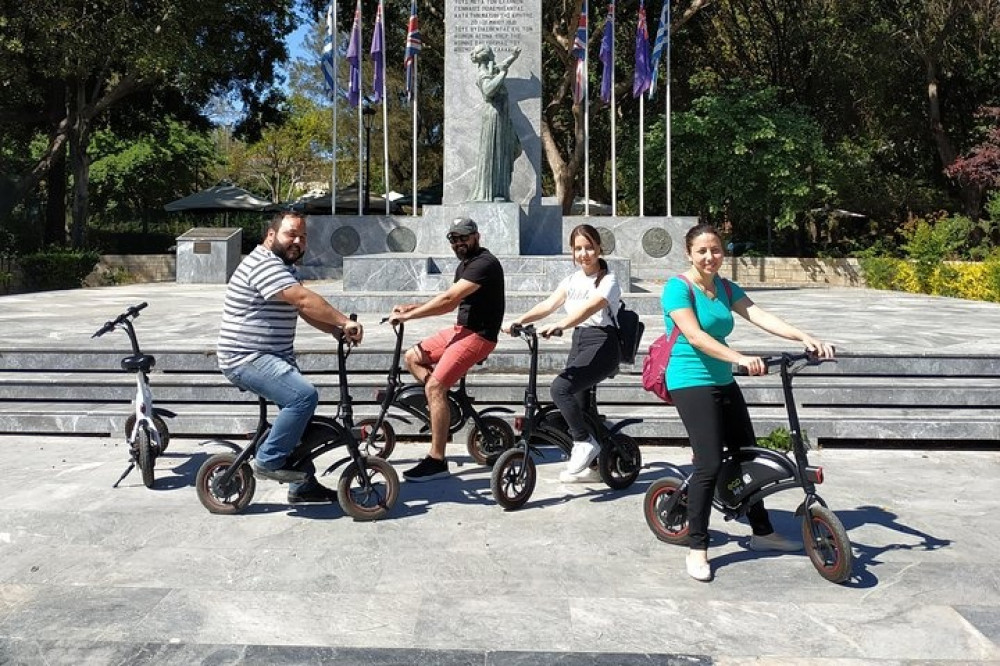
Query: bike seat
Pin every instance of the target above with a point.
(143, 362)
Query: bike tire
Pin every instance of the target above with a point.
(233, 499)
(486, 447)
(827, 544)
(620, 463)
(380, 444)
(510, 491)
(668, 524)
(368, 504)
(144, 455)
(158, 423)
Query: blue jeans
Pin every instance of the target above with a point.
(280, 382)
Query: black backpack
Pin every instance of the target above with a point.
(630, 331)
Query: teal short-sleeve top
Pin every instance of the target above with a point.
(688, 366)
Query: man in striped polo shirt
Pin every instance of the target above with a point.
(264, 300)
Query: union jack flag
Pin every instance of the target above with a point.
(580, 53)
(413, 46)
(641, 81)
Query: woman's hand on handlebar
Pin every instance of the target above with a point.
(818, 348)
(550, 330)
(754, 365)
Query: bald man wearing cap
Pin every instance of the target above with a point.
(444, 358)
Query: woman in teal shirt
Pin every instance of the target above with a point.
(700, 379)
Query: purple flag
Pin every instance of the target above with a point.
(413, 46)
(378, 56)
(640, 83)
(608, 54)
(662, 43)
(354, 59)
(580, 53)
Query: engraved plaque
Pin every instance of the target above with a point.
(607, 240)
(201, 247)
(401, 239)
(345, 241)
(657, 242)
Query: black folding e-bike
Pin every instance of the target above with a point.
(489, 437)
(513, 478)
(367, 489)
(146, 433)
(753, 473)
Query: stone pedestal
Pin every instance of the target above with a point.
(208, 255)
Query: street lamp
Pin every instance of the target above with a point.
(368, 114)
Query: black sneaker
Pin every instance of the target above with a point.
(427, 469)
(313, 493)
(279, 475)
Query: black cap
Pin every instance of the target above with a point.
(463, 226)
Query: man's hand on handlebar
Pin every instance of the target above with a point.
(353, 331)
(399, 312)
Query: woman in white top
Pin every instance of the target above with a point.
(590, 295)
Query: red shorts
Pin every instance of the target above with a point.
(452, 351)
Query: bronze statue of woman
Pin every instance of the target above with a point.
(499, 145)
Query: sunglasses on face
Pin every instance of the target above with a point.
(458, 238)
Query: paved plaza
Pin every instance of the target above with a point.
(95, 575)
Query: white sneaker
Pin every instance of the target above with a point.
(698, 568)
(589, 475)
(583, 454)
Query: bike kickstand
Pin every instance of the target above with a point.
(128, 469)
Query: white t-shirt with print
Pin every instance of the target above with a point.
(580, 289)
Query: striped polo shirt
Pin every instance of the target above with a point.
(254, 320)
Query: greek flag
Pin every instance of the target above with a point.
(326, 62)
(661, 44)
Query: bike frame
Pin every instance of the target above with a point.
(396, 390)
(789, 472)
(322, 433)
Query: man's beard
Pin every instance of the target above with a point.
(284, 251)
(464, 250)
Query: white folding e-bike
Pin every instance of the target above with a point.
(145, 431)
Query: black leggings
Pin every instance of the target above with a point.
(715, 417)
(593, 357)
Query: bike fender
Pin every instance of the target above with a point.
(624, 423)
(673, 470)
(159, 411)
(232, 446)
(494, 410)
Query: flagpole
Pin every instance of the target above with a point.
(334, 35)
(416, 88)
(614, 154)
(385, 115)
(586, 118)
(666, 90)
(642, 157)
(361, 106)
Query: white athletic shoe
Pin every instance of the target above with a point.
(583, 454)
(589, 475)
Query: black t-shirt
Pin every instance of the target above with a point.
(482, 311)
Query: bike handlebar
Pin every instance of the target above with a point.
(132, 311)
(528, 330)
(786, 359)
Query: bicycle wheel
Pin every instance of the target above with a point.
(158, 423)
(370, 503)
(144, 455)
(510, 489)
(485, 447)
(668, 523)
(827, 545)
(380, 443)
(231, 498)
(620, 463)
